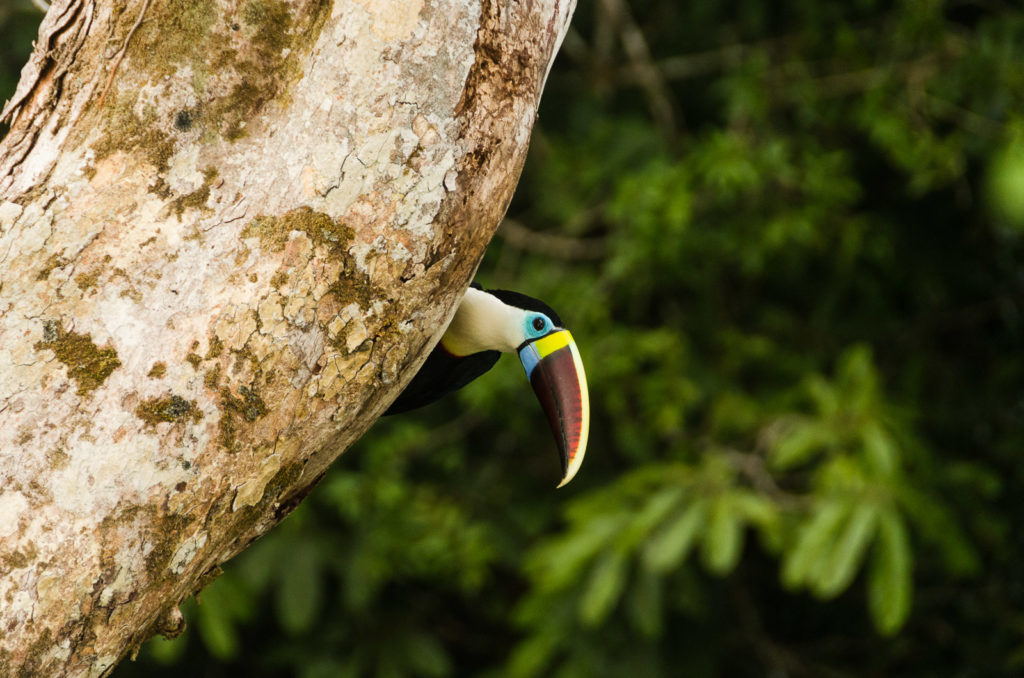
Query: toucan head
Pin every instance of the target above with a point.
(555, 370)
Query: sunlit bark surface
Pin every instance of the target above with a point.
(230, 230)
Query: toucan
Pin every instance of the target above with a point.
(488, 323)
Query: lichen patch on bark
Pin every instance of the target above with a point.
(197, 198)
(225, 64)
(167, 410)
(247, 406)
(324, 230)
(88, 364)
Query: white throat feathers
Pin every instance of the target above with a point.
(484, 323)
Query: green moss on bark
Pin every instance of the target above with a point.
(212, 377)
(174, 34)
(247, 405)
(19, 559)
(127, 130)
(55, 261)
(167, 532)
(279, 280)
(326, 233)
(352, 287)
(237, 62)
(216, 347)
(33, 664)
(324, 230)
(197, 198)
(88, 364)
(168, 409)
(87, 281)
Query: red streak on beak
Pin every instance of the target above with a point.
(557, 386)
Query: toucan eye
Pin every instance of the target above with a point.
(539, 324)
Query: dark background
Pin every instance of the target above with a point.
(787, 237)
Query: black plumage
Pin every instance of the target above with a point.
(527, 303)
(441, 374)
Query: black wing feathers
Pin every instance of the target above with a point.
(441, 374)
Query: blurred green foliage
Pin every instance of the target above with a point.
(18, 22)
(788, 239)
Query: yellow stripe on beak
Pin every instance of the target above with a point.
(547, 345)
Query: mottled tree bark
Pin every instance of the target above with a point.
(230, 231)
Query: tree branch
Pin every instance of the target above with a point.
(218, 278)
(564, 247)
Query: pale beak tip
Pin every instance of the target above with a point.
(570, 472)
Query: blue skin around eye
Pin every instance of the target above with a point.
(531, 332)
(528, 354)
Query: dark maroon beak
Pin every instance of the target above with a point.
(555, 370)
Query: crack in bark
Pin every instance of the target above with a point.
(43, 89)
(124, 50)
(60, 21)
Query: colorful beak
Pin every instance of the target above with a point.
(555, 371)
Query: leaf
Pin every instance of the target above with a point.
(604, 588)
(558, 563)
(936, 524)
(800, 445)
(890, 586)
(426, 655)
(299, 591)
(644, 603)
(856, 377)
(325, 667)
(232, 595)
(806, 558)
(215, 626)
(764, 514)
(1005, 179)
(755, 508)
(848, 551)
(654, 511)
(667, 547)
(827, 401)
(363, 575)
(723, 540)
(166, 651)
(880, 450)
(532, 655)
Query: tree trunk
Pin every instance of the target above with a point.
(230, 231)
